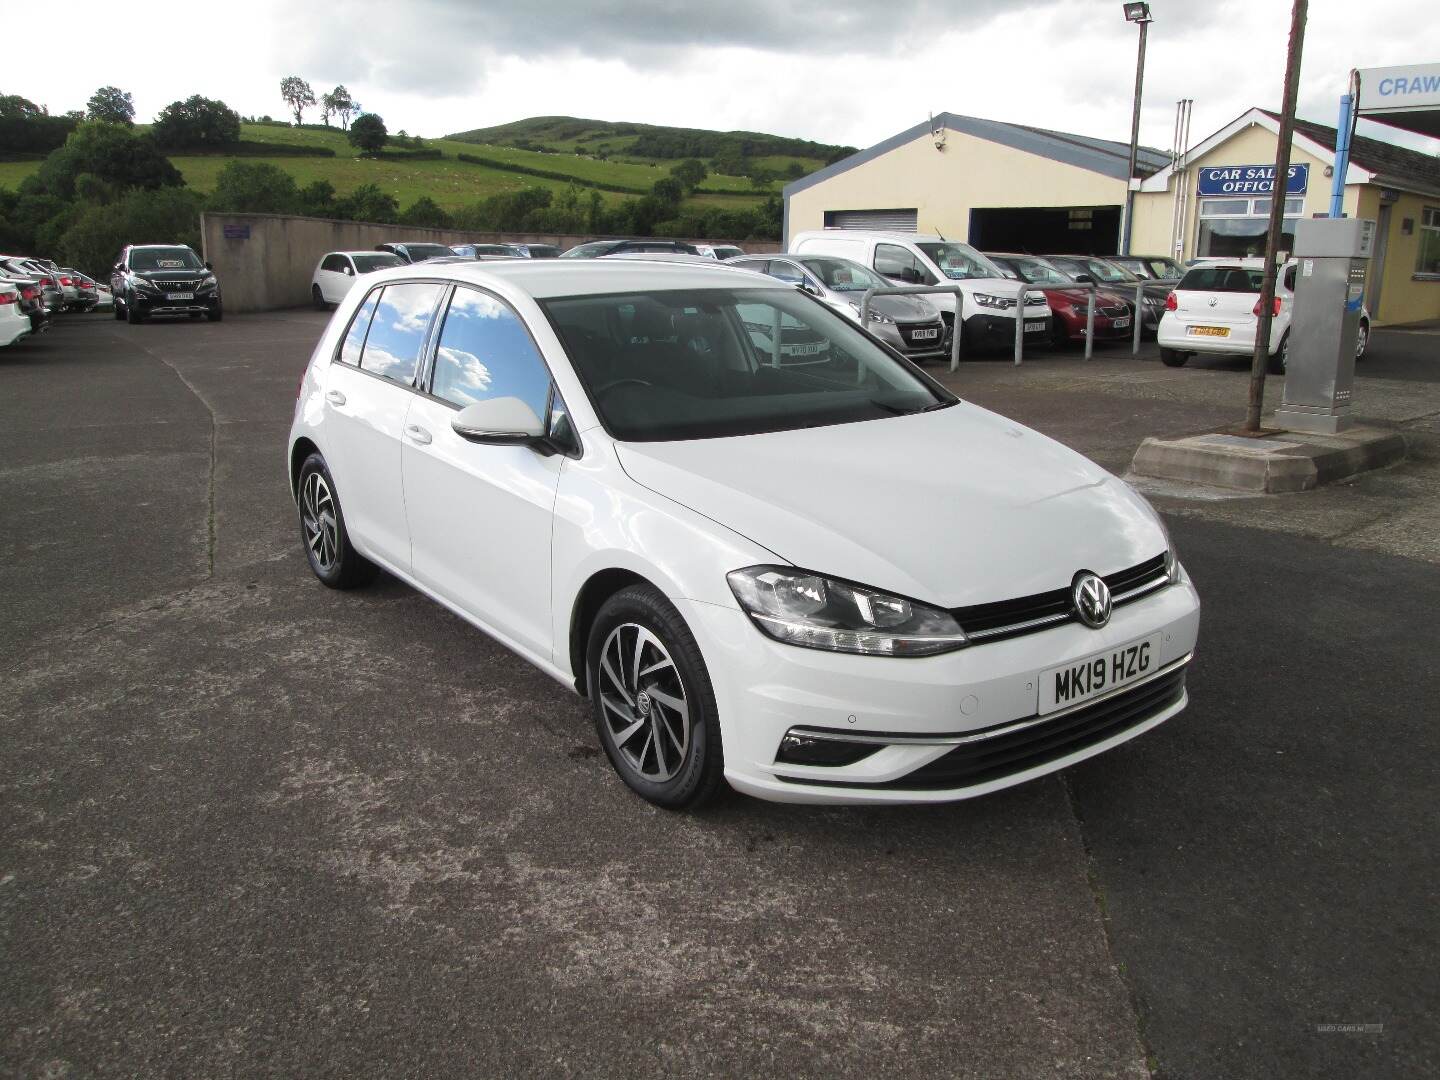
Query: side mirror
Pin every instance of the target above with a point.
(806, 287)
(349, 271)
(500, 421)
(1084, 279)
(209, 266)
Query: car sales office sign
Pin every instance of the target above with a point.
(1250, 180)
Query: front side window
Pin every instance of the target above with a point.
(786, 271)
(711, 363)
(1428, 260)
(894, 261)
(397, 332)
(485, 351)
(334, 264)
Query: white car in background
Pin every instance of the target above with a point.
(602, 464)
(336, 273)
(14, 323)
(1215, 309)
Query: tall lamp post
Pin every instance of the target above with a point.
(1136, 13)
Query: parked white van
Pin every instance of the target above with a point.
(917, 259)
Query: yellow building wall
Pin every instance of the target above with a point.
(1403, 299)
(945, 187)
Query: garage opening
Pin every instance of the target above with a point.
(885, 220)
(1047, 230)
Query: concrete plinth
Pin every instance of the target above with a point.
(1277, 461)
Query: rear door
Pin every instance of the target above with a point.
(369, 387)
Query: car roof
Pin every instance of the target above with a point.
(362, 251)
(545, 278)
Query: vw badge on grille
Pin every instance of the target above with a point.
(1091, 598)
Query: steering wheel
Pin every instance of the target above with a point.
(619, 383)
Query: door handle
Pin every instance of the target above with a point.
(335, 397)
(418, 434)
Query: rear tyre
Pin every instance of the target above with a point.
(653, 704)
(322, 530)
(1280, 358)
(318, 298)
(1173, 357)
(1362, 340)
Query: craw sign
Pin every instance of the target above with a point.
(1250, 180)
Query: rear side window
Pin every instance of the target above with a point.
(1221, 279)
(398, 329)
(485, 352)
(359, 327)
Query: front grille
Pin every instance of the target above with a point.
(1040, 611)
(175, 286)
(1004, 755)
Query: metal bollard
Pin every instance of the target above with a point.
(1139, 317)
(921, 290)
(1019, 325)
(1092, 297)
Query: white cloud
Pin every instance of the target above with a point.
(850, 71)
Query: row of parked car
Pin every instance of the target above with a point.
(1211, 307)
(33, 291)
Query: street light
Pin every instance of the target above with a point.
(1136, 13)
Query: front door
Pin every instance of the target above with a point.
(481, 515)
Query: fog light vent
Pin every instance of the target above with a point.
(799, 748)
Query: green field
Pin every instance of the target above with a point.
(450, 182)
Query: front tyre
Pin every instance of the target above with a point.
(318, 298)
(322, 530)
(132, 313)
(652, 700)
(215, 314)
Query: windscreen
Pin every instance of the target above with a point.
(368, 264)
(699, 364)
(421, 252)
(589, 251)
(168, 258)
(843, 275)
(1035, 272)
(1222, 279)
(959, 262)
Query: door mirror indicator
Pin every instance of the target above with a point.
(499, 421)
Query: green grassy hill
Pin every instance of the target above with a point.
(448, 180)
(653, 143)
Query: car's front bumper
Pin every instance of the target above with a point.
(917, 708)
(998, 331)
(159, 305)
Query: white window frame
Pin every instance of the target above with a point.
(1428, 228)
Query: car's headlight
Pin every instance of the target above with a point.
(986, 300)
(817, 612)
(140, 283)
(207, 282)
(875, 316)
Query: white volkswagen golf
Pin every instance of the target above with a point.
(830, 582)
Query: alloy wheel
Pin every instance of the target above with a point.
(644, 704)
(317, 518)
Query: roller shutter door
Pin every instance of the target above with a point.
(883, 220)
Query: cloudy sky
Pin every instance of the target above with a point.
(838, 71)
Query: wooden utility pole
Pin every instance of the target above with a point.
(1261, 358)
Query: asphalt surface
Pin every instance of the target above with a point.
(250, 826)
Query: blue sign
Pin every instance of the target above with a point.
(1250, 180)
(236, 232)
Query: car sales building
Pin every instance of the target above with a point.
(1011, 187)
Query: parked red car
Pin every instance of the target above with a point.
(1113, 313)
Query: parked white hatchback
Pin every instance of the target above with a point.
(336, 273)
(830, 582)
(1215, 309)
